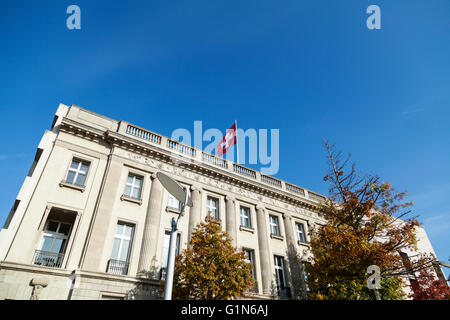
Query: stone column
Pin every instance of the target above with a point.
(195, 213)
(230, 217)
(263, 244)
(102, 216)
(296, 274)
(151, 228)
(288, 229)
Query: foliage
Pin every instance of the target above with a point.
(427, 287)
(211, 268)
(365, 225)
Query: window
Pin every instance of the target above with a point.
(279, 271)
(53, 244)
(301, 236)
(173, 203)
(35, 162)
(11, 214)
(212, 207)
(283, 290)
(77, 172)
(120, 254)
(250, 254)
(245, 217)
(133, 187)
(165, 253)
(274, 227)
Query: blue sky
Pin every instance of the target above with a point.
(311, 69)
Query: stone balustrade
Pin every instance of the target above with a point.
(221, 163)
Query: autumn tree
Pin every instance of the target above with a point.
(365, 223)
(211, 268)
(427, 287)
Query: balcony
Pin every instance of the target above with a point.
(48, 259)
(117, 267)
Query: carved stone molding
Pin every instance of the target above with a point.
(260, 207)
(229, 198)
(196, 188)
(38, 284)
(159, 158)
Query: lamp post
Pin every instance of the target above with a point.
(181, 194)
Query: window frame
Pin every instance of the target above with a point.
(55, 235)
(77, 171)
(170, 199)
(282, 269)
(217, 207)
(303, 232)
(242, 217)
(122, 238)
(135, 176)
(277, 224)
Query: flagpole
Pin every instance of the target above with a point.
(237, 149)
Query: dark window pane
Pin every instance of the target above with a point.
(64, 228)
(52, 226)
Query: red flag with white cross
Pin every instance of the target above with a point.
(228, 141)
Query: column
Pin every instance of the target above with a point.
(290, 238)
(263, 244)
(102, 216)
(195, 213)
(296, 273)
(230, 217)
(151, 227)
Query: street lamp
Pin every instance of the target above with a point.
(181, 194)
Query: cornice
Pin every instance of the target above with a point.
(155, 152)
(81, 130)
(158, 153)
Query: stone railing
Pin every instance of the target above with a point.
(295, 189)
(209, 158)
(143, 134)
(181, 148)
(316, 196)
(244, 171)
(271, 180)
(221, 163)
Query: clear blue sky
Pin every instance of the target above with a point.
(309, 68)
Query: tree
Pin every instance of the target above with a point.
(427, 287)
(365, 225)
(211, 268)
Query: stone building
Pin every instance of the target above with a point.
(91, 221)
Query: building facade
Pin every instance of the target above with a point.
(91, 220)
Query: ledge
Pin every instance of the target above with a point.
(247, 229)
(305, 244)
(173, 210)
(130, 199)
(72, 186)
(274, 236)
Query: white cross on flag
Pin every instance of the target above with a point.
(228, 141)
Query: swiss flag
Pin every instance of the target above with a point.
(228, 141)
